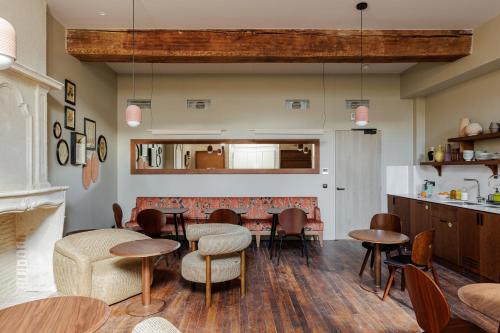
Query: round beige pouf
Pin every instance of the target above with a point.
(483, 297)
(224, 267)
(155, 325)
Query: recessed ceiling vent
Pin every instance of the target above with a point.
(142, 103)
(297, 104)
(352, 104)
(198, 104)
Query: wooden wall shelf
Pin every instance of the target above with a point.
(492, 164)
(473, 138)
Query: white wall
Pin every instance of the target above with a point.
(240, 102)
(96, 99)
(28, 18)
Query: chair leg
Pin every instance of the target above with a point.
(320, 236)
(257, 240)
(208, 281)
(372, 260)
(392, 271)
(304, 240)
(279, 251)
(367, 255)
(434, 275)
(242, 273)
(403, 282)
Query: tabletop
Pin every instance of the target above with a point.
(67, 314)
(173, 210)
(239, 211)
(379, 236)
(145, 248)
(279, 210)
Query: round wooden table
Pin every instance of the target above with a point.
(67, 314)
(378, 237)
(145, 249)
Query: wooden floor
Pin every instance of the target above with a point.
(291, 297)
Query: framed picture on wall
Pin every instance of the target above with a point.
(62, 152)
(102, 148)
(57, 130)
(69, 118)
(89, 127)
(78, 148)
(69, 92)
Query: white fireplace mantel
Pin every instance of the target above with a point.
(32, 211)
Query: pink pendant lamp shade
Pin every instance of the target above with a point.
(133, 115)
(361, 116)
(7, 44)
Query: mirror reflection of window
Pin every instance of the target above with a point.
(254, 156)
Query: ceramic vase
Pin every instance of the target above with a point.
(464, 122)
(439, 154)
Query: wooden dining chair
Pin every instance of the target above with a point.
(118, 214)
(224, 216)
(421, 257)
(291, 222)
(382, 221)
(431, 308)
(152, 222)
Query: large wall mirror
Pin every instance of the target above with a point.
(149, 156)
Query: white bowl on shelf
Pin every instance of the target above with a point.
(468, 155)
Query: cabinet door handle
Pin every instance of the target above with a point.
(426, 207)
(480, 219)
(340, 188)
(444, 221)
(450, 225)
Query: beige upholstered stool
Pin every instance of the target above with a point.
(83, 266)
(217, 259)
(155, 325)
(483, 297)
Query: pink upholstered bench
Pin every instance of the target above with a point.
(257, 220)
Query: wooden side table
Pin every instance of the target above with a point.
(378, 237)
(66, 314)
(145, 249)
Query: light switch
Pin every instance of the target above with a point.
(325, 185)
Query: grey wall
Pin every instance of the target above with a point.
(96, 99)
(242, 102)
(28, 18)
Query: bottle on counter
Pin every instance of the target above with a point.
(453, 195)
(465, 195)
(430, 154)
(459, 195)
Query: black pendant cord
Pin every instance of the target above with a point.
(133, 47)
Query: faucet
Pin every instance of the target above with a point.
(479, 197)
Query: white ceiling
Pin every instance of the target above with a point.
(258, 68)
(260, 14)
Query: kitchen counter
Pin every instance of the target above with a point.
(486, 208)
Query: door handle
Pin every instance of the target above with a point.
(340, 188)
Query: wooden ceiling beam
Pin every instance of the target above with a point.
(241, 46)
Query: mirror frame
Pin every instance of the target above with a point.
(135, 171)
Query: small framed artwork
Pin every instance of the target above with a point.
(57, 130)
(89, 128)
(78, 148)
(69, 118)
(69, 92)
(102, 148)
(62, 152)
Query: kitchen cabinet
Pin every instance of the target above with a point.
(401, 207)
(465, 239)
(446, 235)
(480, 243)
(420, 217)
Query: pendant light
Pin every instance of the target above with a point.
(7, 44)
(361, 114)
(133, 114)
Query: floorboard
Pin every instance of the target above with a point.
(292, 297)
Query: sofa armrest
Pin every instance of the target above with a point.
(67, 262)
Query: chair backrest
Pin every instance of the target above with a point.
(386, 221)
(430, 305)
(224, 216)
(421, 251)
(151, 222)
(292, 221)
(118, 213)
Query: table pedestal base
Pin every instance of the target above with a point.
(137, 309)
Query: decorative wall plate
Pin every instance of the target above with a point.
(62, 152)
(102, 148)
(94, 172)
(57, 130)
